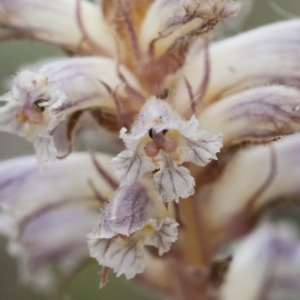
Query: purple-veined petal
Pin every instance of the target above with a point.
(258, 114)
(54, 237)
(265, 263)
(164, 236)
(169, 20)
(50, 212)
(201, 148)
(23, 184)
(269, 54)
(254, 178)
(41, 101)
(130, 165)
(127, 212)
(133, 218)
(56, 22)
(173, 182)
(123, 255)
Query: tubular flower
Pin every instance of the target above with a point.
(42, 227)
(269, 245)
(44, 105)
(160, 139)
(216, 123)
(129, 221)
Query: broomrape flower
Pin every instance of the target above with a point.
(209, 131)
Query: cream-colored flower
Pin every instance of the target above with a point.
(129, 222)
(161, 140)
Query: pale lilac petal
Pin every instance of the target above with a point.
(269, 54)
(175, 19)
(55, 22)
(258, 114)
(265, 262)
(256, 177)
(23, 184)
(50, 212)
(127, 212)
(56, 236)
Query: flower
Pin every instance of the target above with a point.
(269, 245)
(127, 224)
(214, 123)
(161, 140)
(45, 228)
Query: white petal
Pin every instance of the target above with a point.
(121, 254)
(130, 165)
(164, 235)
(172, 182)
(55, 22)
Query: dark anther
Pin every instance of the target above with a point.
(150, 133)
(37, 106)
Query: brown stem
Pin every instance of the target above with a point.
(189, 266)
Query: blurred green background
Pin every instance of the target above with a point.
(85, 286)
